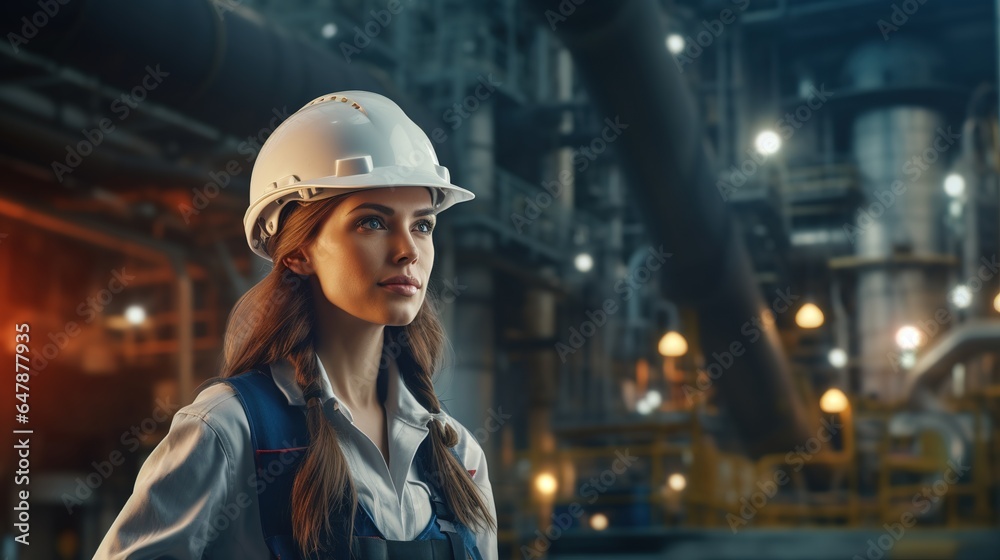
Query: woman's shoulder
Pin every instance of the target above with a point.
(219, 407)
(218, 399)
(469, 446)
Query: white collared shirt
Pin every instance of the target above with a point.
(194, 496)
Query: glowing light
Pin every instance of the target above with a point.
(546, 484)
(908, 359)
(833, 400)
(909, 337)
(135, 314)
(583, 262)
(598, 522)
(675, 43)
(996, 302)
(955, 208)
(643, 407)
(837, 357)
(676, 482)
(329, 30)
(672, 344)
(767, 142)
(961, 296)
(954, 185)
(653, 398)
(809, 316)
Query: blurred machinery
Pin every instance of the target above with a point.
(732, 265)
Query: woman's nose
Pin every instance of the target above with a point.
(406, 248)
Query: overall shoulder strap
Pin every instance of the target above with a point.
(280, 438)
(459, 535)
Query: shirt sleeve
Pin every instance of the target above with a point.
(180, 489)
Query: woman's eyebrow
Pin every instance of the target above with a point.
(389, 211)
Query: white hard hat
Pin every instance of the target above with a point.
(339, 143)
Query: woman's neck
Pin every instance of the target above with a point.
(350, 350)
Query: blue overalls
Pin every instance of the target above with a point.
(280, 438)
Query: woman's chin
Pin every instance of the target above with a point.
(398, 318)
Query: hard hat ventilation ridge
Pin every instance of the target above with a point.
(340, 98)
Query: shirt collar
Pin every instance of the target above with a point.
(400, 402)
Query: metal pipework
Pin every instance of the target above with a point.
(934, 366)
(618, 48)
(223, 64)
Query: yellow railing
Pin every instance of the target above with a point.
(561, 463)
(727, 489)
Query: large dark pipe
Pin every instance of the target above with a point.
(618, 49)
(222, 64)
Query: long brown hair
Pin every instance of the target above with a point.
(274, 319)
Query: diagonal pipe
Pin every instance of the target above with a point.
(618, 49)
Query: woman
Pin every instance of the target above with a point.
(323, 437)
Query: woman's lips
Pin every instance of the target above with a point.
(401, 289)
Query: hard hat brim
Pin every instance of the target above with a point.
(327, 187)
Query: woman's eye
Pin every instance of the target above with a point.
(369, 220)
(427, 225)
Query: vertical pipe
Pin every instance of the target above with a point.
(512, 52)
(468, 391)
(884, 139)
(543, 61)
(539, 318)
(563, 158)
(722, 97)
(618, 329)
(473, 334)
(185, 332)
(738, 86)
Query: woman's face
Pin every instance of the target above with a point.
(369, 238)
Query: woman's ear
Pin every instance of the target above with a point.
(298, 262)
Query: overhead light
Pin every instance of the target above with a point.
(837, 357)
(583, 262)
(961, 296)
(672, 344)
(833, 401)
(809, 316)
(135, 314)
(546, 484)
(675, 43)
(643, 407)
(676, 482)
(767, 142)
(909, 337)
(954, 185)
(598, 522)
